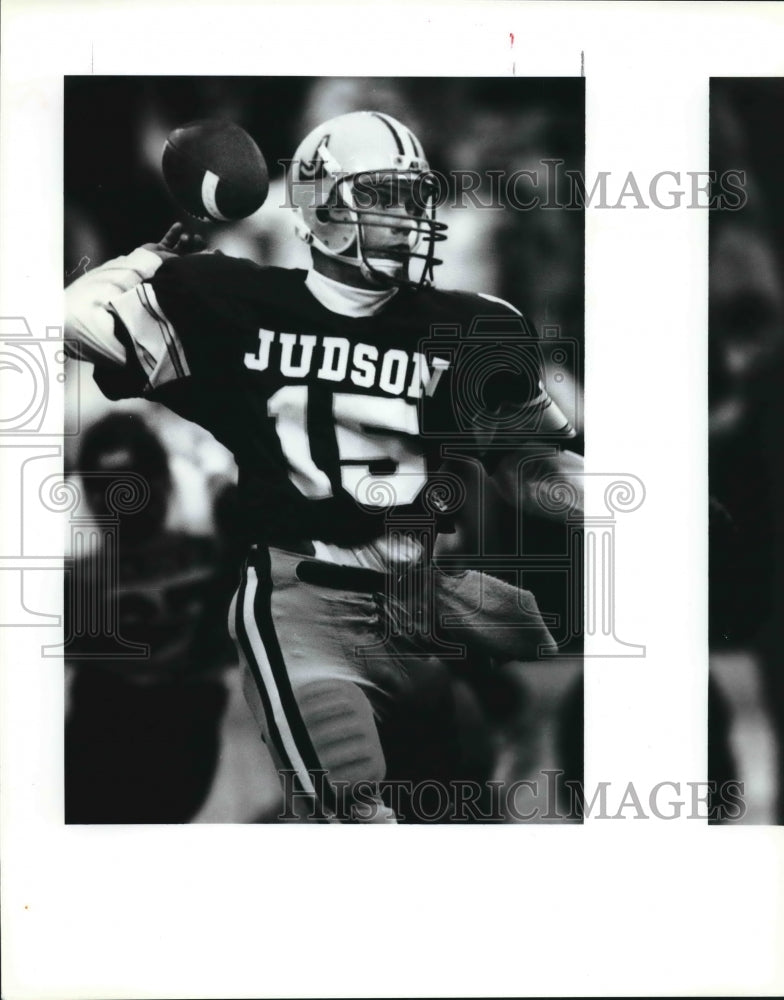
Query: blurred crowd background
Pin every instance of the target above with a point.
(168, 739)
(746, 378)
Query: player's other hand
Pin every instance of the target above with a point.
(177, 242)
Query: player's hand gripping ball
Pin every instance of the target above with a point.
(214, 170)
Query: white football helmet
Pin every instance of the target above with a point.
(334, 185)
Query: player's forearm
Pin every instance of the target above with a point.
(550, 486)
(89, 321)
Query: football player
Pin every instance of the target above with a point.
(142, 731)
(337, 390)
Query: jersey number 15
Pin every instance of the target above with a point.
(380, 463)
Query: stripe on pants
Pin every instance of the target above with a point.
(240, 635)
(268, 669)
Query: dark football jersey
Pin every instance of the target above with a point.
(334, 421)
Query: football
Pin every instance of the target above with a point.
(214, 170)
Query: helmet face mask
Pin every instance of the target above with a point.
(362, 193)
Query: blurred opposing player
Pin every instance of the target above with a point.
(337, 389)
(141, 737)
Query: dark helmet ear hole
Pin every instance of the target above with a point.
(322, 213)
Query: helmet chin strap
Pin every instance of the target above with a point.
(384, 272)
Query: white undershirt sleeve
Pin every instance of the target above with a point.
(89, 317)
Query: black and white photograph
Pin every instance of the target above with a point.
(746, 331)
(389, 422)
(349, 448)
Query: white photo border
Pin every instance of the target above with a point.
(635, 908)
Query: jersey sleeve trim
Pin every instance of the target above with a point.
(549, 417)
(152, 336)
(552, 419)
(500, 302)
(542, 417)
